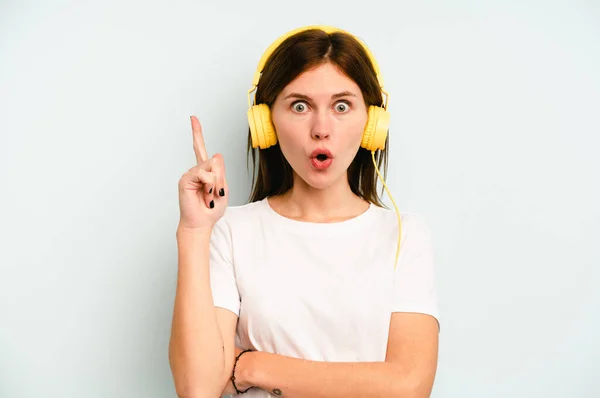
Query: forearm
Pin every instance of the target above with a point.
(196, 345)
(298, 378)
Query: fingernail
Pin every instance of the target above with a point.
(212, 204)
(221, 192)
(209, 192)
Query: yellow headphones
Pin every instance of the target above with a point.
(259, 116)
(374, 136)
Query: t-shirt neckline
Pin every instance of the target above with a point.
(345, 225)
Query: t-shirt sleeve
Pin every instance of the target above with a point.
(222, 272)
(414, 277)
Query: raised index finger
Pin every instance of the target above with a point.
(199, 148)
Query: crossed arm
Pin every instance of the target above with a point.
(407, 372)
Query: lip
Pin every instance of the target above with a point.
(320, 164)
(321, 151)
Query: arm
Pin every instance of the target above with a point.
(408, 370)
(198, 348)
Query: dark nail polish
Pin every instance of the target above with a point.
(209, 192)
(221, 192)
(212, 204)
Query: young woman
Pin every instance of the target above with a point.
(301, 292)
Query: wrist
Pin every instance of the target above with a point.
(244, 371)
(183, 232)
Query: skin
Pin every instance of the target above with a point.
(323, 120)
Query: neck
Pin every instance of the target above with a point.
(333, 204)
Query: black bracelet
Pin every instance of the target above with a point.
(233, 373)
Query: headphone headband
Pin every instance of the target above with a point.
(326, 29)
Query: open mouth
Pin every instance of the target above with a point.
(321, 159)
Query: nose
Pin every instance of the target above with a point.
(321, 128)
(320, 135)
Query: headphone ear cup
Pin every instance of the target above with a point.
(270, 136)
(252, 125)
(376, 130)
(262, 130)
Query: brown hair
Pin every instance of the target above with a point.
(272, 174)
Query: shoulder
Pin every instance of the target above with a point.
(239, 216)
(414, 226)
(235, 212)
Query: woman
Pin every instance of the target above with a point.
(298, 293)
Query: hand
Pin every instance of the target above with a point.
(201, 204)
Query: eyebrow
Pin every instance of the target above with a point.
(307, 98)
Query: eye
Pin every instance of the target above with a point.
(299, 106)
(342, 106)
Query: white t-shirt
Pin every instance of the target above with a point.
(320, 291)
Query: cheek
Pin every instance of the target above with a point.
(288, 134)
(357, 129)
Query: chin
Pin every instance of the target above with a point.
(319, 185)
(320, 180)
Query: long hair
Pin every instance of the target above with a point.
(272, 174)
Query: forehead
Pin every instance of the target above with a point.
(325, 79)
